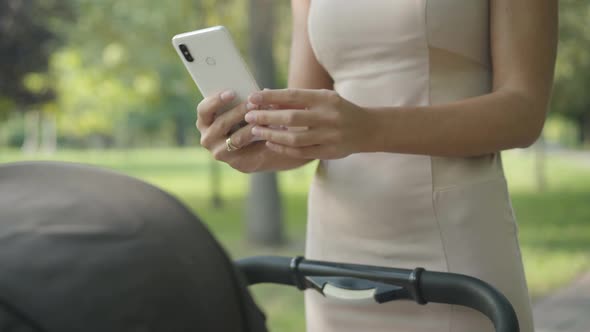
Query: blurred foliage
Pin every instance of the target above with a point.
(116, 76)
(26, 43)
(120, 75)
(120, 65)
(572, 74)
(559, 130)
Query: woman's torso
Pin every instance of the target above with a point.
(409, 210)
(408, 53)
(400, 53)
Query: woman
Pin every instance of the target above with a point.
(407, 106)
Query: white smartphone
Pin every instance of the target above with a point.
(215, 64)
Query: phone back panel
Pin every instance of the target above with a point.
(217, 65)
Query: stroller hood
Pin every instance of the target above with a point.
(84, 249)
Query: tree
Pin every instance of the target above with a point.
(572, 74)
(264, 224)
(26, 41)
(135, 85)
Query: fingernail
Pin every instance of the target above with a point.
(228, 95)
(256, 131)
(256, 98)
(251, 106)
(250, 117)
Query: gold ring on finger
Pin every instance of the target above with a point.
(229, 145)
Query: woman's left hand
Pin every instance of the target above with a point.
(335, 129)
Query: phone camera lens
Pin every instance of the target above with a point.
(186, 53)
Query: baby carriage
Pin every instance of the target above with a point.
(85, 249)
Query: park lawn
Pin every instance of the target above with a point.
(554, 225)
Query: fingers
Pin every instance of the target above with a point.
(300, 97)
(222, 126)
(294, 138)
(209, 106)
(309, 152)
(243, 136)
(290, 118)
(220, 153)
(227, 121)
(214, 127)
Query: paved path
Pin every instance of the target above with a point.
(567, 310)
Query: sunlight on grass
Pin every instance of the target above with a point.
(554, 224)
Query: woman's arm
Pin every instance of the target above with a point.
(304, 72)
(524, 38)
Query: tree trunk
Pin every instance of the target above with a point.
(264, 215)
(122, 135)
(215, 183)
(31, 141)
(49, 133)
(264, 211)
(261, 41)
(540, 157)
(179, 129)
(584, 129)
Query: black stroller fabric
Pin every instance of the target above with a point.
(83, 249)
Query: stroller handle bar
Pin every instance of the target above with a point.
(381, 284)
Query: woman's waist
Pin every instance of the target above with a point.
(385, 195)
(394, 174)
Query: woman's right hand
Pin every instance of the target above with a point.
(216, 129)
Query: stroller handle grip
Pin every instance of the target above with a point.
(470, 292)
(418, 285)
(267, 269)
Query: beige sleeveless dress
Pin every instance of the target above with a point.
(444, 214)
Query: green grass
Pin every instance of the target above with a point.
(554, 224)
